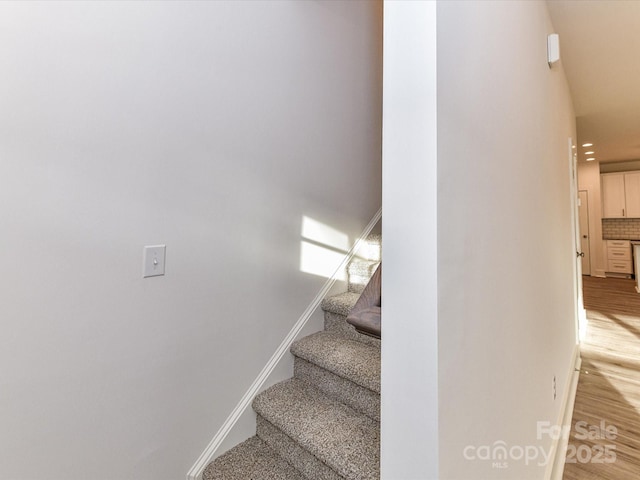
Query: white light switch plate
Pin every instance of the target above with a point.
(153, 260)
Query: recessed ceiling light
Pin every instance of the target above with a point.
(590, 159)
(589, 153)
(587, 144)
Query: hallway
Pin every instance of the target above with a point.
(605, 429)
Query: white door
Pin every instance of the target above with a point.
(581, 314)
(583, 216)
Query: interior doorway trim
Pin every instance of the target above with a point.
(585, 237)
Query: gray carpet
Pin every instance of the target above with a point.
(341, 303)
(353, 360)
(251, 460)
(343, 439)
(322, 424)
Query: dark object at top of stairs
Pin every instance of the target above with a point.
(366, 313)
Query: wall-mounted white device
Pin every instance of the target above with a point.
(553, 49)
(153, 260)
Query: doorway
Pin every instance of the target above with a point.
(577, 213)
(583, 218)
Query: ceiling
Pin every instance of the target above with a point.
(600, 53)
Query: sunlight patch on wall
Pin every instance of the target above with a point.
(322, 249)
(324, 234)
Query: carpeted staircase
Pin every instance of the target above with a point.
(324, 423)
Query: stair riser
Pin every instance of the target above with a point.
(357, 397)
(334, 322)
(292, 452)
(357, 284)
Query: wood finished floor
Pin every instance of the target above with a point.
(609, 384)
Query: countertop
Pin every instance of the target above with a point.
(621, 238)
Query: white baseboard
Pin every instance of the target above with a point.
(209, 454)
(555, 467)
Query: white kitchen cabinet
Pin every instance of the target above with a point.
(632, 194)
(621, 195)
(636, 257)
(619, 257)
(613, 204)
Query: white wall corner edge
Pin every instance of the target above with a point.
(209, 454)
(555, 465)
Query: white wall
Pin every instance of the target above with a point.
(505, 248)
(212, 127)
(589, 180)
(409, 410)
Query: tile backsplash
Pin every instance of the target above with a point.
(621, 228)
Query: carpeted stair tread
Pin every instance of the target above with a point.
(341, 303)
(304, 461)
(359, 398)
(350, 359)
(372, 250)
(337, 435)
(251, 460)
(361, 266)
(359, 272)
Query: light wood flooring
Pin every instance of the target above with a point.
(609, 385)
